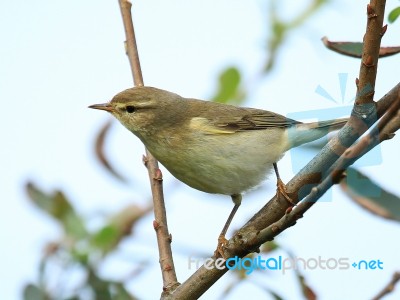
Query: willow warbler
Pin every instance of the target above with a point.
(212, 147)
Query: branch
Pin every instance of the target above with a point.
(364, 114)
(370, 56)
(130, 43)
(390, 121)
(389, 288)
(248, 238)
(155, 176)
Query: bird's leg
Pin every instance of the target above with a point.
(237, 200)
(281, 187)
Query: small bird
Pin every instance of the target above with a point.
(212, 147)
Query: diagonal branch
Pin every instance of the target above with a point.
(389, 122)
(365, 113)
(389, 287)
(249, 238)
(155, 176)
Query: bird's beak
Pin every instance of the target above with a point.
(103, 106)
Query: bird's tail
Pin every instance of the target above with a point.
(307, 132)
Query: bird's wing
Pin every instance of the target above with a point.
(249, 121)
(256, 121)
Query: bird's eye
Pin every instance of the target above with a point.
(130, 109)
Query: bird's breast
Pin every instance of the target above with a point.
(220, 163)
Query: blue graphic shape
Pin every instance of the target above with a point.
(321, 91)
(343, 78)
(343, 84)
(301, 155)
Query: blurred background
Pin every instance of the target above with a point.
(59, 57)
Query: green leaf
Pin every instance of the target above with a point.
(81, 254)
(55, 204)
(106, 238)
(33, 292)
(280, 29)
(274, 295)
(394, 14)
(106, 289)
(119, 226)
(370, 195)
(100, 287)
(121, 293)
(354, 49)
(59, 207)
(228, 90)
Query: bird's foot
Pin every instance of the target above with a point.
(281, 189)
(222, 241)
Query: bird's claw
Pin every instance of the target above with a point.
(222, 241)
(281, 189)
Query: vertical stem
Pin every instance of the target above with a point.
(155, 176)
(130, 43)
(370, 55)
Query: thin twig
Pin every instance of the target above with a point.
(388, 132)
(155, 176)
(389, 287)
(130, 43)
(370, 55)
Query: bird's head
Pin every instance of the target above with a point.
(143, 109)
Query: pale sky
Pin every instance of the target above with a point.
(59, 57)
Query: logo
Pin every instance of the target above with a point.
(341, 107)
(281, 264)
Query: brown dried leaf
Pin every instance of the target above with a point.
(308, 292)
(100, 153)
(354, 49)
